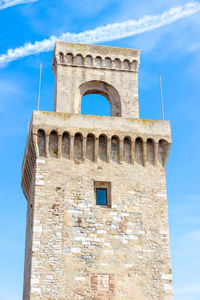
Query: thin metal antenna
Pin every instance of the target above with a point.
(161, 98)
(39, 87)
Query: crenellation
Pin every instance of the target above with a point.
(91, 60)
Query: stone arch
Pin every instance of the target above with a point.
(88, 60)
(69, 58)
(117, 63)
(61, 57)
(41, 142)
(151, 151)
(103, 147)
(134, 65)
(53, 144)
(79, 60)
(139, 150)
(115, 149)
(108, 62)
(78, 147)
(98, 61)
(127, 149)
(163, 151)
(66, 145)
(102, 88)
(126, 64)
(90, 147)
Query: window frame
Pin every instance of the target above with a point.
(103, 185)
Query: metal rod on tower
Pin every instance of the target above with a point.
(161, 98)
(39, 87)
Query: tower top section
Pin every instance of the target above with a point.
(81, 69)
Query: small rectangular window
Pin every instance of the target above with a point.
(101, 196)
(103, 193)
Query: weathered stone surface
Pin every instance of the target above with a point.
(76, 249)
(83, 69)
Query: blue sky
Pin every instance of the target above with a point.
(168, 35)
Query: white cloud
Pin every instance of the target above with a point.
(8, 3)
(106, 33)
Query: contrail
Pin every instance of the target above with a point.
(105, 33)
(8, 3)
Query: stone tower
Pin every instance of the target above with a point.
(97, 223)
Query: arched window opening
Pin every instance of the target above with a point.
(127, 150)
(61, 57)
(66, 145)
(98, 89)
(98, 61)
(88, 60)
(103, 147)
(150, 151)
(163, 151)
(41, 142)
(90, 147)
(69, 58)
(134, 65)
(139, 151)
(117, 63)
(115, 149)
(126, 64)
(79, 59)
(78, 147)
(53, 144)
(108, 62)
(95, 104)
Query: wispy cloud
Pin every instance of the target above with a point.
(106, 33)
(8, 3)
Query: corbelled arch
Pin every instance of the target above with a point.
(102, 88)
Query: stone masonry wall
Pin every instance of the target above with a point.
(82, 251)
(109, 71)
(76, 249)
(29, 236)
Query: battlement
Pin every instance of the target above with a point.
(84, 69)
(84, 138)
(93, 56)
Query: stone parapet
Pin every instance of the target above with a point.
(139, 127)
(84, 138)
(93, 56)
